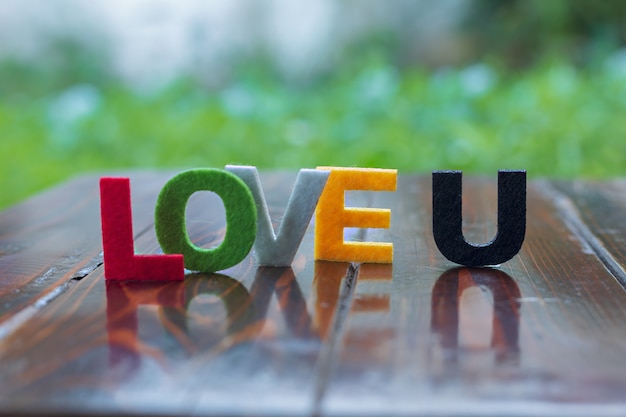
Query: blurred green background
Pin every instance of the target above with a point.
(490, 84)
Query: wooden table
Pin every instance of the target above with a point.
(543, 334)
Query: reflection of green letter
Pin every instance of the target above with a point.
(242, 322)
(171, 230)
(240, 313)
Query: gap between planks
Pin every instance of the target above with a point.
(21, 317)
(26, 313)
(327, 358)
(573, 220)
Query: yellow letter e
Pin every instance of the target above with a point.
(332, 216)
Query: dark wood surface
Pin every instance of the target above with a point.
(543, 334)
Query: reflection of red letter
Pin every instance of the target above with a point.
(123, 300)
(120, 261)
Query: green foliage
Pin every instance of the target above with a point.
(64, 61)
(523, 32)
(553, 120)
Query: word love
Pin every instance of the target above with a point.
(320, 190)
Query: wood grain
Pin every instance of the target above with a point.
(597, 210)
(55, 236)
(244, 341)
(543, 334)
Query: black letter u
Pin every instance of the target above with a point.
(447, 219)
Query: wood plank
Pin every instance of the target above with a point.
(246, 341)
(54, 237)
(543, 334)
(597, 210)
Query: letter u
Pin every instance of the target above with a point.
(448, 227)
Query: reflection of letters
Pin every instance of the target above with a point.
(378, 302)
(372, 297)
(327, 284)
(123, 298)
(445, 304)
(282, 281)
(240, 318)
(174, 298)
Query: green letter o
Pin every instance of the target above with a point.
(171, 229)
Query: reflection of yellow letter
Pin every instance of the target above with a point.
(332, 216)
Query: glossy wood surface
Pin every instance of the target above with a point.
(596, 210)
(543, 334)
(55, 237)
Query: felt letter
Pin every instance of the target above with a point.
(120, 261)
(240, 218)
(332, 216)
(280, 249)
(447, 219)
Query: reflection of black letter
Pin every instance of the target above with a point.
(445, 303)
(448, 221)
